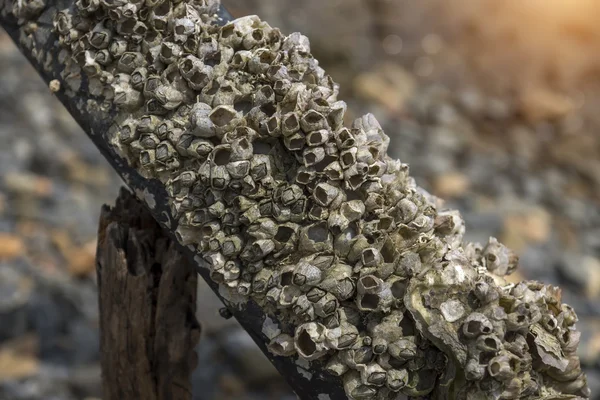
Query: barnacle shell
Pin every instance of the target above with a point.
(282, 345)
(499, 259)
(396, 379)
(355, 389)
(309, 341)
(336, 367)
(372, 374)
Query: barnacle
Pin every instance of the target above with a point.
(308, 217)
(28, 9)
(396, 379)
(356, 389)
(373, 294)
(499, 259)
(309, 340)
(282, 345)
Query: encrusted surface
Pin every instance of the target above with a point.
(312, 220)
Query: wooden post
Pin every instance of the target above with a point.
(147, 297)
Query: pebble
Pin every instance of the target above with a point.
(535, 262)
(526, 227)
(592, 286)
(582, 272)
(14, 366)
(589, 347)
(81, 260)
(28, 184)
(15, 293)
(11, 246)
(451, 185)
(390, 86)
(541, 104)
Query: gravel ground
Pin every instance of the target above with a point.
(492, 104)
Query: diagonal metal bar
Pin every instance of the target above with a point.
(40, 45)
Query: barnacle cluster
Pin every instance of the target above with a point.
(311, 219)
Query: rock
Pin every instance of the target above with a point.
(82, 261)
(11, 246)
(451, 185)
(49, 383)
(471, 100)
(389, 85)
(28, 184)
(18, 360)
(82, 172)
(527, 226)
(589, 345)
(498, 109)
(538, 103)
(592, 286)
(392, 45)
(15, 293)
(535, 262)
(526, 143)
(591, 240)
(582, 272)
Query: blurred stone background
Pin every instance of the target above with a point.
(493, 105)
